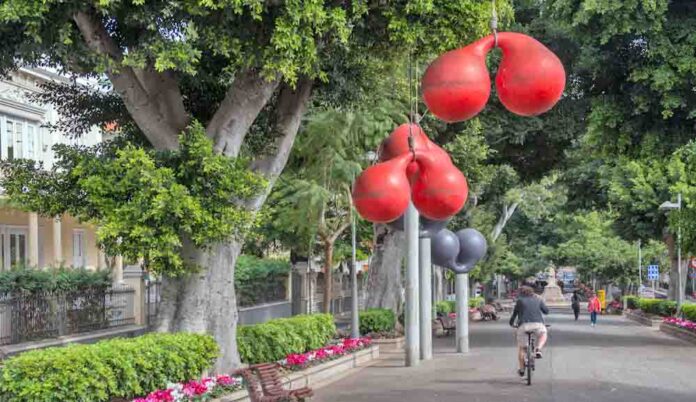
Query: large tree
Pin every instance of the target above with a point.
(244, 70)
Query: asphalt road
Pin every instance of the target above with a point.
(615, 361)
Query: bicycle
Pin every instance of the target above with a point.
(530, 357)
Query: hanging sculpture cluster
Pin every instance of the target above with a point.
(456, 87)
(421, 172)
(529, 82)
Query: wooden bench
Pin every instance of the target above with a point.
(264, 384)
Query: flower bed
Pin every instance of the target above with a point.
(300, 361)
(201, 390)
(681, 323)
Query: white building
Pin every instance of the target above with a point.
(25, 238)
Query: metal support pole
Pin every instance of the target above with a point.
(640, 265)
(411, 314)
(426, 306)
(680, 290)
(462, 295)
(354, 321)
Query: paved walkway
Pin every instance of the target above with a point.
(616, 361)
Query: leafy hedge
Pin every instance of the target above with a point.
(632, 302)
(108, 369)
(56, 279)
(259, 280)
(664, 308)
(377, 320)
(689, 311)
(275, 339)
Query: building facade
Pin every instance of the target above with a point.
(25, 238)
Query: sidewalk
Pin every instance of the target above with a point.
(616, 361)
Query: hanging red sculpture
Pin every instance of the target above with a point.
(530, 78)
(439, 190)
(381, 192)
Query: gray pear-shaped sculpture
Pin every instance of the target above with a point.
(472, 247)
(444, 249)
(428, 227)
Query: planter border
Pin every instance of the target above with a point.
(390, 344)
(650, 321)
(316, 376)
(678, 332)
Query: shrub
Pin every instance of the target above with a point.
(476, 302)
(658, 307)
(259, 280)
(275, 339)
(689, 311)
(632, 302)
(444, 307)
(377, 320)
(116, 368)
(50, 280)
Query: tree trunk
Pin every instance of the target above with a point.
(508, 211)
(205, 301)
(439, 288)
(384, 285)
(671, 243)
(328, 276)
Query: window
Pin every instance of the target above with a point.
(17, 248)
(9, 127)
(79, 248)
(30, 142)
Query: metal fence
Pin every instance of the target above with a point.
(153, 298)
(31, 316)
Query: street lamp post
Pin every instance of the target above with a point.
(668, 205)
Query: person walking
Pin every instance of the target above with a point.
(594, 307)
(575, 304)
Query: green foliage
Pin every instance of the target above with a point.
(450, 306)
(145, 204)
(275, 339)
(444, 307)
(255, 279)
(664, 308)
(476, 302)
(52, 279)
(377, 320)
(632, 302)
(689, 311)
(117, 368)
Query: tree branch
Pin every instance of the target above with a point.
(245, 99)
(338, 232)
(153, 99)
(508, 211)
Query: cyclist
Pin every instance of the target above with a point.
(528, 312)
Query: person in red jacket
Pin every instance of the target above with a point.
(594, 307)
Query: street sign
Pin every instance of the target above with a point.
(653, 272)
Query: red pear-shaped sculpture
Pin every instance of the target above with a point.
(397, 142)
(440, 189)
(530, 78)
(456, 85)
(381, 193)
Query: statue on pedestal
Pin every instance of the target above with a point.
(552, 292)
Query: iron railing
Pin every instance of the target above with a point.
(30, 316)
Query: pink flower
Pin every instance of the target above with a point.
(225, 380)
(296, 359)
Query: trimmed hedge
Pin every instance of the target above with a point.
(377, 320)
(476, 302)
(664, 308)
(51, 280)
(124, 368)
(689, 311)
(275, 339)
(632, 302)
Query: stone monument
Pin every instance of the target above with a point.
(552, 292)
